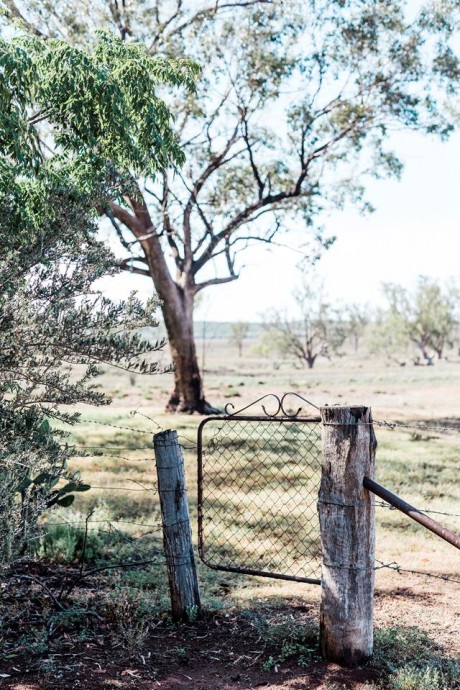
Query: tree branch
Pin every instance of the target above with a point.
(167, 223)
(12, 12)
(125, 265)
(215, 163)
(270, 200)
(123, 28)
(214, 281)
(200, 15)
(124, 216)
(255, 170)
(118, 230)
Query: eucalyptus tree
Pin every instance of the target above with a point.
(357, 317)
(291, 115)
(238, 332)
(314, 328)
(98, 109)
(427, 315)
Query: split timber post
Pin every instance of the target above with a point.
(346, 514)
(177, 535)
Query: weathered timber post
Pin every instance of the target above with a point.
(346, 514)
(177, 536)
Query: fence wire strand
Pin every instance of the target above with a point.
(383, 504)
(399, 569)
(222, 550)
(398, 425)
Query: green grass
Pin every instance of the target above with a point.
(422, 470)
(258, 521)
(410, 660)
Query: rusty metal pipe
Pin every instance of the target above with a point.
(409, 510)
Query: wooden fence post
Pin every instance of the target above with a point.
(177, 536)
(346, 514)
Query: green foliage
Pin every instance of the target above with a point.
(426, 319)
(429, 678)
(290, 118)
(63, 543)
(289, 640)
(100, 103)
(68, 118)
(292, 111)
(413, 661)
(387, 334)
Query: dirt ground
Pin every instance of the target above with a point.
(229, 651)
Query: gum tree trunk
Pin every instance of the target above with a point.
(177, 297)
(187, 395)
(177, 309)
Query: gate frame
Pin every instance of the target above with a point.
(265, 418)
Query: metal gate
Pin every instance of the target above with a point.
(258, 481)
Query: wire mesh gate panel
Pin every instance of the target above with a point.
(258, 481)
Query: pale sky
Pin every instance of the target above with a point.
(415, 230)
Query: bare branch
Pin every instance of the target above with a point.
(156, 196)
(216, 162)
(12, 12)
(127, 265)
(126, 245)
(255, 170)
(164, 25)
(123, 28)
(214, 281)
(200, 15)
(269, 200)
(167, 223)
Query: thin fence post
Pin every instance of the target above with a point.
(347, 522)
(177, 535)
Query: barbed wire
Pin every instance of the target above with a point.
(419, 427)
(390, 566)
(141, 414)
(122, 522)
(377, 422)
(383, 504)
(397, 425)
(120, 488)
(117, 457)
(133, 448)
(115, 426)
(117, 525)
(399, 569)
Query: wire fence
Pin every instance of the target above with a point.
(122, 452)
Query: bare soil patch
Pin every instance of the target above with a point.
(237, 649)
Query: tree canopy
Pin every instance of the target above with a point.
(291, 116)
(424, 319)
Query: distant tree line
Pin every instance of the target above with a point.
(418, 326)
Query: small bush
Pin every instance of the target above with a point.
(296, 641)
(66, 543)
(419, 679)
(131, 619)
(414, 662)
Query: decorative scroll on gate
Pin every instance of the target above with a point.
(258, 481)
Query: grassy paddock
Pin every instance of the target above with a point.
(422, 466)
